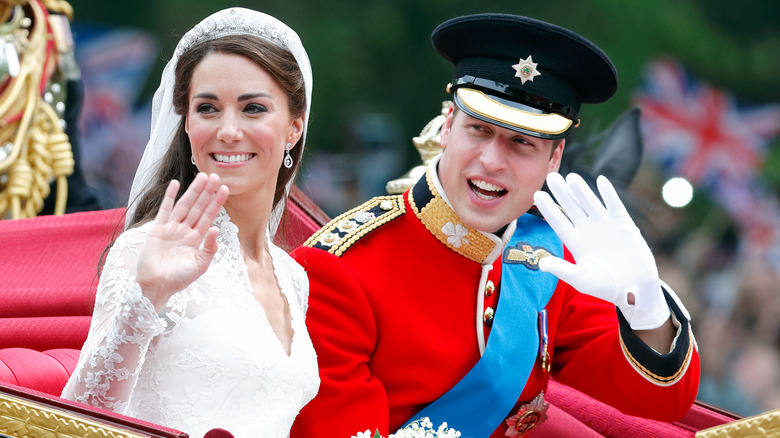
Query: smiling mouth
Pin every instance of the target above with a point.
(486, 191)
(238, 158)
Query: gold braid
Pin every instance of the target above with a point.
(59, 7)
(37, 150)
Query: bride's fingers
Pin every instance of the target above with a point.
(183, 205)
(216, 202)
(205, 197)
(210, 247)
(167, 203)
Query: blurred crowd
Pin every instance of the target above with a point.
(732, 294)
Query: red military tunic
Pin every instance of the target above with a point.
(395, 311)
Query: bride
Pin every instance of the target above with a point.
(199, 317)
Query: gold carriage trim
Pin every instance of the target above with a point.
(443, 223)
(655, 378)
(762, 425)
(343, 231)
(19, 417)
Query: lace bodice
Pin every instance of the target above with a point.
(209, 359)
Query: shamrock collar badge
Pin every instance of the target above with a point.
(526, 70)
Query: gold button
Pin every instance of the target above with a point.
(489, 288)
(488, 316)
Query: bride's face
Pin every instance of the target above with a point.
(238, 122)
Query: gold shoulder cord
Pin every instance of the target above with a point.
(34, 149)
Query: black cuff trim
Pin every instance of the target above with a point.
(662, 369)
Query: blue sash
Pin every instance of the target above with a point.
(484, 397)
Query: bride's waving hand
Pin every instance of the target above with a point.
(182, 241)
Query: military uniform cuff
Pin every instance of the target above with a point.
(661, 369)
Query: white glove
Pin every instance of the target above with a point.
(612, 259)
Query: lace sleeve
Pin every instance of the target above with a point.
(123, 324)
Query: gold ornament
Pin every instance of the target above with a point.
(34, 149)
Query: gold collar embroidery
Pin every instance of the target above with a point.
(439, 218)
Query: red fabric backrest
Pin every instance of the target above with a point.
(48, 277)
(45, 371)
(609, 422)
(50, 262)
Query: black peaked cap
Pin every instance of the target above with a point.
(484, 47)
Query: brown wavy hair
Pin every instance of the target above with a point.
(283, 68)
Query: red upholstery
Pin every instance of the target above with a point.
(609, 422)
(46, 371)
(48, 278)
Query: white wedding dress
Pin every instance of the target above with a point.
(210, 359)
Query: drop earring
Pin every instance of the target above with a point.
(288, 160)
(192, 159)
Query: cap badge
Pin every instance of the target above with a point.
(526, 69)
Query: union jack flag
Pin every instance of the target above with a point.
(701, 133)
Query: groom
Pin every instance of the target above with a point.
(459, 299)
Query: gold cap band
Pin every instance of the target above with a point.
(548, 124)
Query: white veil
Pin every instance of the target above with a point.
(233, 21)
